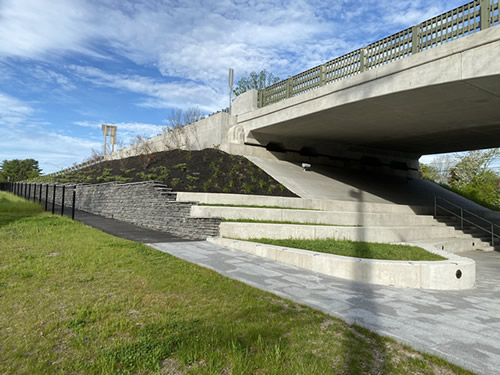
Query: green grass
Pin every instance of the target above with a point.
(282, 222)
(254, 206)
(368, 250)
(74, 300)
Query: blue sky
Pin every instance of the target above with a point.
(68, 66)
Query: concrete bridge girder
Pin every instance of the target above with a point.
(441, 100)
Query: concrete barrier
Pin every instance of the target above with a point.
(455, 273)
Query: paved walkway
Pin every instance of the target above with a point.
(461, 326)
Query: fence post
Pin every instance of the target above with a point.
(362, 60)
(40, 194)
(414, 39)
(34, 193)
(73, 205)
(46, 196)
(54, 199)
(62, 200)
(322, 80)
(29, 191)
(289, 87)
(484, 14)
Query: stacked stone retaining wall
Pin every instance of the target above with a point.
(147, 204)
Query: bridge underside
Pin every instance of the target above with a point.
(449, 117)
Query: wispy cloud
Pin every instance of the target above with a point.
(26, 136)
(158, 94)
(13, 111)
(199, 40)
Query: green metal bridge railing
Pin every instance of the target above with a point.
(454, 24)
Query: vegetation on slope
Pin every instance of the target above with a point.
(472, 175)
(208, 170)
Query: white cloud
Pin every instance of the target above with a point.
(25, 136)
(38, 28)
(160, 94)
(199, 40)
(13, 111)
(53, 151)
(51, 77)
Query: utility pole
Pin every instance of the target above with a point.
(231, 74)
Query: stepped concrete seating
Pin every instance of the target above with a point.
(357, 221)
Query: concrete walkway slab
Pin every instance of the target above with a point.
(123, 230)
(460, 326)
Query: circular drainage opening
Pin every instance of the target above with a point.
(458, 274)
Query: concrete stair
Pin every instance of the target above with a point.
(165, 191)
(321, 219)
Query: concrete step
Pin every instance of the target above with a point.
(315, 217)
(308, 204)
(367, 234)
(456, 245)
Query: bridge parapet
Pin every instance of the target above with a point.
(467, 19)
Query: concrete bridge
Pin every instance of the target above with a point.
(432, 88)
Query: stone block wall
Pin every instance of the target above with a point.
(147, 204)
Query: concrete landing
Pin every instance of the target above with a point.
(460, 326)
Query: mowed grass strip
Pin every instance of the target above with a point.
(282, 222)
(76, 300)
(255, 206)
(367, 250)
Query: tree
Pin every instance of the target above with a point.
(472, 165)
(19, 170)
(257, 81)
(469, 174)
(180, 135)
(179, 117)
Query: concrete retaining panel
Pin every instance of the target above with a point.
(313, 232)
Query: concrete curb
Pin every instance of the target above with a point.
(455, 273)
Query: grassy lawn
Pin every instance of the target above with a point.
(76, 300)
(368, 250)
(255, 206)
(282, 222)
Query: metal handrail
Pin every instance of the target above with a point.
(462, 218)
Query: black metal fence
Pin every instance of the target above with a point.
(39, 192)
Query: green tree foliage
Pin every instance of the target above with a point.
(469, 174)
(429, 172)
(19, 170)
(257, 81)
